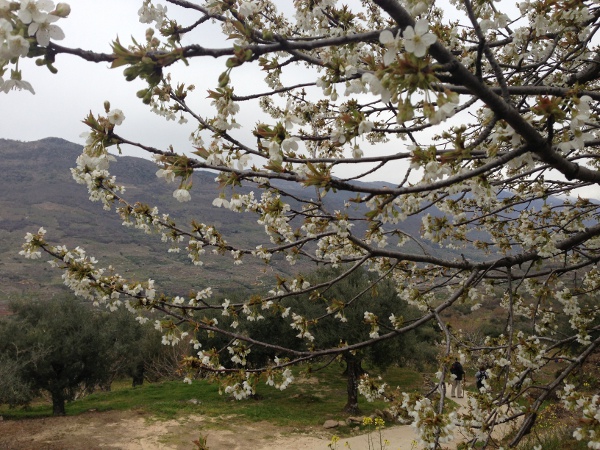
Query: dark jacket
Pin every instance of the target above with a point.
(457, 369)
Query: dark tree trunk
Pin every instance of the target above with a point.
(138, 375)
(353, 372)
(58, 404)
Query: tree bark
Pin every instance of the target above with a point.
(58, 404)
(353, 371)
(138, 374)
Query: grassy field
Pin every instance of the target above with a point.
(307, 402)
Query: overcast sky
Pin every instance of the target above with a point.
(61, 101)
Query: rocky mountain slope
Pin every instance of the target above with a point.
(38, 190)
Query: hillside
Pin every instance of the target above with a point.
(38, 191)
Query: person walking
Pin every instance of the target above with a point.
(458, 374)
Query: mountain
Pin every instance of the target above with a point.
(38, 190)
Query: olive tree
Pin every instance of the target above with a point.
(67, 348)
(485, 114)
(57, 346)
(359, 291)
(13, 389)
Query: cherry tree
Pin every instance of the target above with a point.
(483, 118)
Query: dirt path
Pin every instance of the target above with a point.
(130, 431)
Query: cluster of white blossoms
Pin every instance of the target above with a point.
(543, 242)
(580, 116)
(12, 46)
(495, 21)
(371, 319)
(40, 15)
(371, 389)
(241, 390)
(301, 324)
(150, 13)
(590, 414)
(30, 18)
(238, 351)
(314, 19)
(280, 378)
(99, 285)
(299, 284)
(89, 170)
(226, 110)
(93, 164)
(31, 248)
(432, 428)
(580, 319)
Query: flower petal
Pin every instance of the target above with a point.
(420, 50)
(386, 37)
(389, 57)
(408, 33)
(421, 27)
(429, 39)
(56, 33)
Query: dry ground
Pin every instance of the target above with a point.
(128, 430)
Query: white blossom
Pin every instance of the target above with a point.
(248, 8)
(386, 37)
(35, 11)
(182, 195)
(417, 40)
(116, 117)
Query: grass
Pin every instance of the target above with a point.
(561, 439)
(307, 402)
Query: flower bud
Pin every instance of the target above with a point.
(223, 79)
(106, 106)
(62, 10)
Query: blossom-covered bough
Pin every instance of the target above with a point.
(482, 117)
